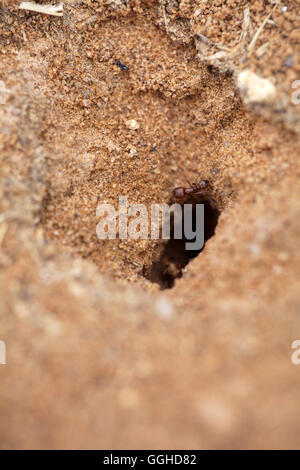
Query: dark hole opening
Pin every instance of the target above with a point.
(174, 256)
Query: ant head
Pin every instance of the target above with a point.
(204, 184)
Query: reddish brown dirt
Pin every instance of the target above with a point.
(97, 355)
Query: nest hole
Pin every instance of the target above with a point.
(174, 256)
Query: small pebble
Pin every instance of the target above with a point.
(216, 414)
(164, 309)
(289, 61)
(133, 152)
(111, 146)
(132, 124)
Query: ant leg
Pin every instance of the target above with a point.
(191, 184)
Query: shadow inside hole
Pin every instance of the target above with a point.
(175, 256)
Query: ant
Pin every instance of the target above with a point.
(182, 193)
(172, 267)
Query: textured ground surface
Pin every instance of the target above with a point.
(97, 355)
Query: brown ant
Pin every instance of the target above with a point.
(172, 267)
(182, 193)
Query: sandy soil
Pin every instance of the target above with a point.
(135, 98)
